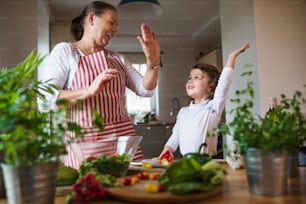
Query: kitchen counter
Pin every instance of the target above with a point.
(235, 190)
(154, 123)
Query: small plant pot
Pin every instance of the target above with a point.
(267, 172)
(30, 184)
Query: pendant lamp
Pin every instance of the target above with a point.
(139, 8)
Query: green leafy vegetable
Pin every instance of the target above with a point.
(116, 165)
(187, 175)
(66, 175)
(198, 156)
(218, 170)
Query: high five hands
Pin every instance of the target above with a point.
(149, 44)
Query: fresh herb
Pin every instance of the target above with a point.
(27, 135)
(285, 131)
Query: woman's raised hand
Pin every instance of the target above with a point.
(149, 44)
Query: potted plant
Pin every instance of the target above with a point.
(31, 141)
(266, 141)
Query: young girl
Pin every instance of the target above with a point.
(208, 93)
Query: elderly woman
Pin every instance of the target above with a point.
(86, 72)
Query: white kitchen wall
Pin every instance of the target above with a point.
(276, 31)
(18, 30)
(43, 44)
(280, 28)
(214, 57)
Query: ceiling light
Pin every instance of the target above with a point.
(139, 8)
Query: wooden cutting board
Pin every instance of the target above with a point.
(63, 190)
(136, 193)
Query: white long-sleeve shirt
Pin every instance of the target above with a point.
(195, 121)
(60, 67)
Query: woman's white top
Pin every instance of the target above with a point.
(60, 67)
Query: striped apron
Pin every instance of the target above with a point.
(109, 103)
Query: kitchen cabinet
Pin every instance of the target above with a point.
(154, 138)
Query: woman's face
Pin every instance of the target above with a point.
(197, 86)
(105, 27)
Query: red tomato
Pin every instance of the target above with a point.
(126, 181)
(142, 175)
(113, 154)
(161, 188)
(92, 158)
(154, 175)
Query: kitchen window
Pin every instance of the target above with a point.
(137, 105)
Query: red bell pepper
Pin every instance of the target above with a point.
(166, 157)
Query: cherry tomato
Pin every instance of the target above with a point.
(154, 175)
(126, 181)
(147, 165)
(146, 174)
(161, 188)
(134, 179)
(142, 175)
(151, 187)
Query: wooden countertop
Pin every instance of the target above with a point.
(235, 190)
(155, 123)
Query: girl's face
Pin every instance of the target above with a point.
(104, 27)
(197, 86)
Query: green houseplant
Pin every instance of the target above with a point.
(260, 138)
(31, 141)
(27, 135)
